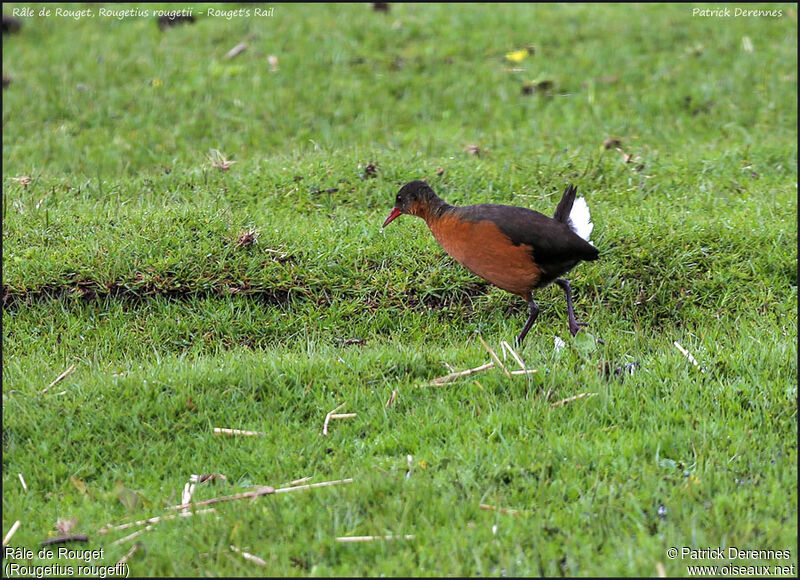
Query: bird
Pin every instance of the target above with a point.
(514, 248)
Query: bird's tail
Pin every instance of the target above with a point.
(565, 205)
(575, 213)
(580, 221)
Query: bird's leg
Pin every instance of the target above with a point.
(574, 325)
(533, 309)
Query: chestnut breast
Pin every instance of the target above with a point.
(483, 249)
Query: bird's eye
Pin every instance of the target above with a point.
(398, 199)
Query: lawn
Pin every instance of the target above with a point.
(196, 238)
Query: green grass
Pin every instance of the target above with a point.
(121, 257)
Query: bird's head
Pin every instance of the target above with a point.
(414, 198)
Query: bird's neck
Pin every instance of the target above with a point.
(433, 210)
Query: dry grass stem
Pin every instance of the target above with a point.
(513, 353)
(135, 534)
(109, 528)
(188, 492)
(11, 532)
(233, 432)
(447, 378)
(328, 418)
(22, 481)
(494, 356)
(452, 376)
(570, 399)
(263, 490)
(249, 556)
(60, 378)
(344, 415)
(310, 485)
(391, 399)
(492, 508)
(130, 553)
(688, 355)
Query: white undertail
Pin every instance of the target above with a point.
(580, 221)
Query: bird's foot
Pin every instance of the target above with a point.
(575, 326)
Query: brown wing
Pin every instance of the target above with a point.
(555, 248)
(551, 240)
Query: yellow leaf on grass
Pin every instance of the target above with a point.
(517, 55)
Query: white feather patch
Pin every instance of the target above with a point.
(580, 220)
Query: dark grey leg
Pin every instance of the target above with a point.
(533, 309)
(574, 325)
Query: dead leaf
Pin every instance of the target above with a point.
(207, 477)
(65, 526)
(219, 161)
(236, 50)
(128, 498)
(131, 499)
(79, 484)
(247, 238)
